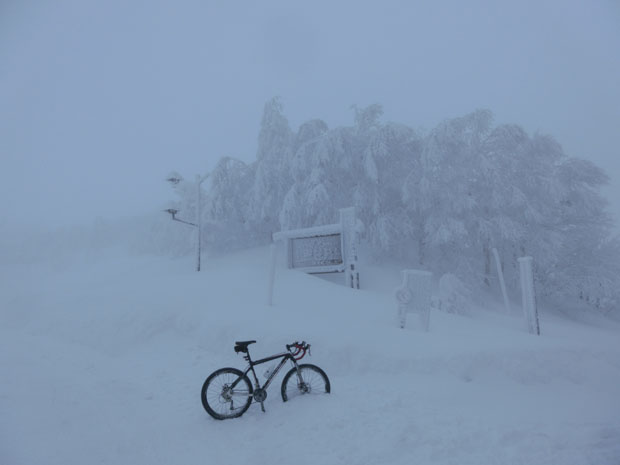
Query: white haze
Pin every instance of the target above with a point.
(100, 100)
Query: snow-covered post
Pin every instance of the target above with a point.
(414, 296)
(502, 284)
(272, 274)
(528, 296)
(349, 247)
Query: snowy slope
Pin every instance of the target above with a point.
(102, 360)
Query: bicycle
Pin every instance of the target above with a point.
(228, 392)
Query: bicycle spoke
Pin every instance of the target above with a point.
(225, 400)
(312, 382)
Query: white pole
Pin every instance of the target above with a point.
(528, 298)
(501, 280)
(272, 274)
(348, 246)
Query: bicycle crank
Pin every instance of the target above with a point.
(259, 396)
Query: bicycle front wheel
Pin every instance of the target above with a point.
(306, 379)
(226, 393)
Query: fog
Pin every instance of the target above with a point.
(99, 101)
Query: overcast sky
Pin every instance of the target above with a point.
(99, 100)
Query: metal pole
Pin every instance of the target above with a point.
(199, 181)
(198, 221)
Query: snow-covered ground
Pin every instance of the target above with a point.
(102, 360)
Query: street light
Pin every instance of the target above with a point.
(174, 180)
(173, 212)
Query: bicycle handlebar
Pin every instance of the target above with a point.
(300, 347)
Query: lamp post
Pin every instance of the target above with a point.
(199, 181)
(174, 180)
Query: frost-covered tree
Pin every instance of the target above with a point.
(501, 199)
(367, 118)
(441, 201)
(272, 178)
(391, 152)
(517, 198)
(307, 202)
(587, 265)
(226, 210)
(362, 166)
(440, 193)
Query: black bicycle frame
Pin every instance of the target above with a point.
(252, 363)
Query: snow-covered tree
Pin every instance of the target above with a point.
(391, 152)
(272, 178)
(226, 211)
(440, 193)
(441, 201)
(587, 265)
(308, 201)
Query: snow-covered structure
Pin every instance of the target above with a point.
(414, 296)
(330, 248)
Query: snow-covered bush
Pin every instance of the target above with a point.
(454, 295)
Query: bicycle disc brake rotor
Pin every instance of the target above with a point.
(226, 394)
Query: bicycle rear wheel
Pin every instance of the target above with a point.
(307, 379)
(226, 393)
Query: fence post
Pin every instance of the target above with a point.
(349, 247)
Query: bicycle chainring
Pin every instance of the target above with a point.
(260, 395)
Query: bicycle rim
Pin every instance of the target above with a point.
(221, 400)
(308, 380)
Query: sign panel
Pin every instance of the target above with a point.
(316, 251)
(331, 248)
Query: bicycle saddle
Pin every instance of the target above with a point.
(242, 346)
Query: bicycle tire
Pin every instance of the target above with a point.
(219, 401)
(315, 381)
